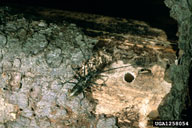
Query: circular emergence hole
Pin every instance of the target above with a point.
(128, 77)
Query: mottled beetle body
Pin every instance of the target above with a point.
(80, 86)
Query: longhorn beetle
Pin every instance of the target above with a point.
(87, 79)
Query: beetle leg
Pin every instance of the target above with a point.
(68, 81)
(104, 80)
(78, 74)
(95, 83)
(72, 82)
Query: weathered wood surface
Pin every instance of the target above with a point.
(121, 42)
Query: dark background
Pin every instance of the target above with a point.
(124, 8)
(153, 12)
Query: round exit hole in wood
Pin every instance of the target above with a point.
(128, 77)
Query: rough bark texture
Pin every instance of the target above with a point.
(176, 100)
(35, 60)
(38, 56)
